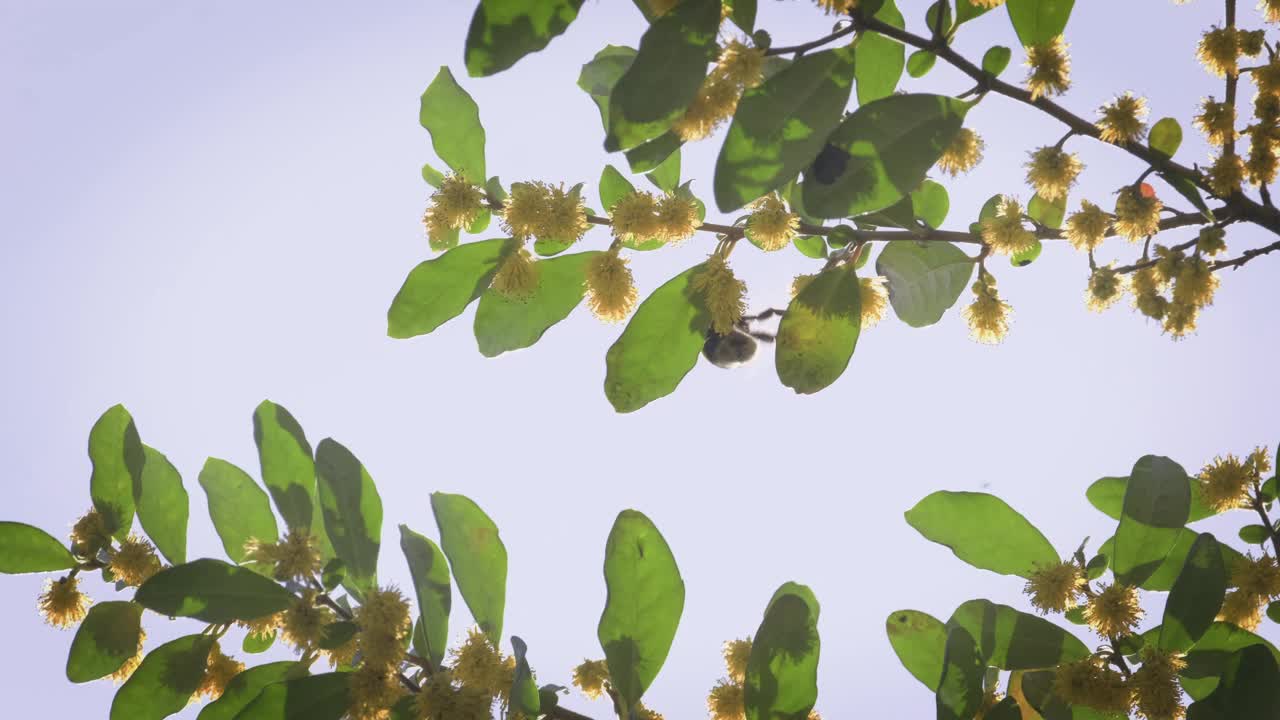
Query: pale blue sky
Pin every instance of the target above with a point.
(208, 204)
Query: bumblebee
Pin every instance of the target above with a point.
(739, 346)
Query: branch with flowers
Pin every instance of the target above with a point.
(800, 170)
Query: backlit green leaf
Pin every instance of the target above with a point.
(920, 62)
(352, 512)
(1047, 212)
(644, 604)
(1249, 688)
(667, 175)
(982, 530)
(1107, 495)
(920, 641)
(1210, 656)
(503, 31)
(996, 59)
(430, 572)
(27, 549)
(118, 458)
(107, 637)
(163, 505)
(315, 697)
(453, 119)
(924, 279)
(477, 558)
(649, 155)
(1165, 137)
(244, 688)
(879, 60)
(598, 76)
(1196, 596)
(1039, 21)
(930, 203)
(212, 591)
(1010, 639)
(503, 324)
(960, 691)
(524, 692)
(239, 508)
(817, 336)
(782, 670)
(165, 681)
(613, 187)
(438, 290)
(1157, 504)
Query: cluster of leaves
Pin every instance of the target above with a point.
(322, 600)
(832, 183)
(1203, 646)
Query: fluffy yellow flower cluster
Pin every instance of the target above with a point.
(592, 678)
(545, 212)
(384, 621)
(219, 670)
(1052, 171)
(1193, 283)
(62, 604)
(1256, 583)
(963, 153)
(89, 535)
(1055, 588)
(770, 225)
(1088, 227)
(723, 294)
(1004, 232)
(294, 557)
(1123, 120)
(740, 67)
(1224, 484)
(1217, 121)
(1221, 48)
(640, 217)
(1105, 288)
(134, 562)
(988, 316)
(1050, 68)
(1092, 684)
(611, 289)
(1137, 213)
(1114, 610)
(453, 206)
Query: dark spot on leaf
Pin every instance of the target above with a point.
(829, 165)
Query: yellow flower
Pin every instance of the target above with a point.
(62, 604)
(611, 289)
(1157, 695)
(1085, 682)
(518, 274)
(988, 315)
(1005, 232)
(219, 671)
(478, 664)
(1224, 483)
(723, 294)
(770, 225)
(1250, 42)
(1180, 319)
(372, 692)
(296, 556)
(440, 236)
(647, 713)
(963, 154)
(89, 535)
(1105, 288)
(741, 64)
(1217, 121)
(1146, 285)
(1114, 610)
(1088, 227)
(736, 655)
(1219, 51)
(987, 3)
(522, 215)
(1259, 577)
(262, 626)
(838, 7)
(1050, 68)
(635, 217)
(344, 654)
(1266, 108)
(990, 698)
(123, 672)
(1271, 8)
(875, 300)
(456, 203)
(715, 102)
(591, 677)
(1242, 610)
(135, 562)
(1137, 215)
(1052, 171)
(726, 701)
(384, 620)
(1259, 462)
(1211, 240)
(1195, 284)
(1262, 165)
(1123, 119)
(436, 699)
(1055, 588)
(1226, 175)
(563, 217)
(1169, 264)
(799, 283)
(302, 623)
(677, 218)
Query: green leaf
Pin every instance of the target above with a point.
(817, 336)
(1039, 21)
(649, 155)
(782, 670)
(315, 697)
(503, 324)
(879, 60)
(880, 153)
(258, 642)
(613, 187)
(352, 512)
(645, 601)
(1249, 688)
(1208, 658)
(1157, 504)
(743, 13)
(983, 531)
(920, 641)
(118, 458)
(438, 290)
(997, 57)
(1013, 640)
(1255, 534)
(1273, 611)
(967, 10)
(239, 508)
(665, 77)
(212, 591)
(27, 549)
(1165, 137)
(336, 634)
(1047, 212)
(1163, 578)
(780, 126)
(524, 692)
(289, 470)
(165, 681)
(1188, 190)
(1196, 596)
(335, 571)
(1023, 258)
(503, 31)
(598, 77)
(433, 176)
(930, 203)
(924, 279)
(453, 119)
(959, 693)
(1006, 709)
(1107, 495)
(667, 175)
(477, 558)
(109, 635)
(811, 246)
(162, 505)
(430, 573)
(244, 688)
(920, 62)
(659, 346)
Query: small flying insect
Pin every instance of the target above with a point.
(739, 346)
